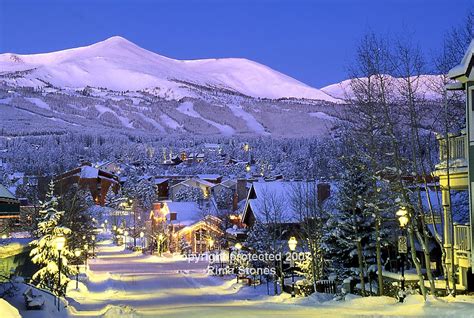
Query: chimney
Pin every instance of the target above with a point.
(324, 191)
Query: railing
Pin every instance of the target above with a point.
(457, 147)
(462, 237)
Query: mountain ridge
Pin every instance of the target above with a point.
(119, 64)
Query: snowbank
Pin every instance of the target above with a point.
(8, 310)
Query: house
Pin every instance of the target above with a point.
(456, 173)
(185, 221)
(162, 188)
(195, 158)
(211, 147)
(213, 178)
(173, 160)
(203, 185)
(113, 167)
(274, 202)
(97, 181)
(9, 209)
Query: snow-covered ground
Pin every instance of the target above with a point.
(130, 284)
(121, 283)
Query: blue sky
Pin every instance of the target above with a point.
(312, 41)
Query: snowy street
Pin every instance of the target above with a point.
(133, 285)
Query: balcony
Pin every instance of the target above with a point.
(457, 150)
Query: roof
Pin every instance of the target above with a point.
(187, 213)
(209, 176)
(88, 172)
(466, 63)
(229, 183)
(4, 193)
(274, 200)
(160, 180)
(189, 183)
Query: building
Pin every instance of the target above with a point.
(97, 181)
(186, 221)
(9, 210)
(162, 188)
(274, 202)
(456, 173)
(203, 185)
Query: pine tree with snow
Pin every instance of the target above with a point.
(184, 246)
(349, 243)
(45, 253)
(189, 194)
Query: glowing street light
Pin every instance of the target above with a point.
(248, 167)
(143, 242)
(292, 242)
(402, 215)
(238, 246)
(403, 219)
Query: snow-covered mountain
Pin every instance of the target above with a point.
(427, 86)
(118, 64)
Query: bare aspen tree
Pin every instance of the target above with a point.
(311, 219)
(409, 68)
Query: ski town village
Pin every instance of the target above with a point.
(260, 232)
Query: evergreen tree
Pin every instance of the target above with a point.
(45, 253)
(77, 217)
(190, 194)
(350, 243)
(184, 246)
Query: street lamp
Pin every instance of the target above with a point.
(238, 247)
(403, 219)
(93, 245)
(141, 236)
(60, 243)
(77, 253)
(292, 242)
(86, 254)
(248, 167)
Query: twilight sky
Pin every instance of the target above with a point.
(312, 41)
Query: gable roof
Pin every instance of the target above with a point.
(466, 64)
(5, 193)
(189, 183)
(273, 201)
(187, 213)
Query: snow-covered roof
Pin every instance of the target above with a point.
(273, 200)
(193, 181)
(187, 213)
(5, 193)
(209, 176)
(229, 183)
(160, 180)
(88, 172)
(463, 67)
